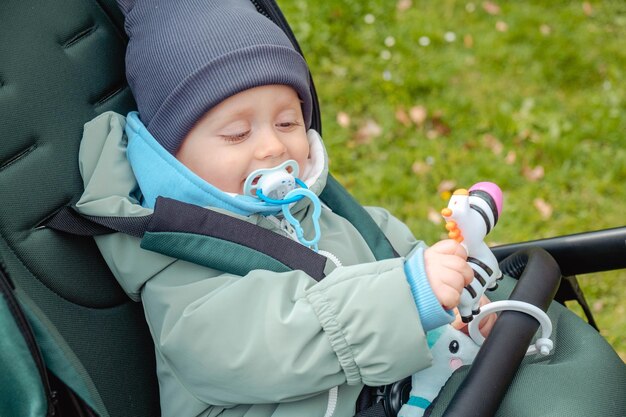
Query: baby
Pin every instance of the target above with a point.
(223, 99)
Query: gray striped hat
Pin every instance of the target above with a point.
(186, 56)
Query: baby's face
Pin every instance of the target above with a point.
(257, 128)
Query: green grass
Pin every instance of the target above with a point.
(530, 96)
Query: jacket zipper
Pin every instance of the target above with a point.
(6, 287)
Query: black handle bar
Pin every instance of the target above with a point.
(489, 377)
(581, 253)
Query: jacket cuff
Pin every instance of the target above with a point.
(432, 314)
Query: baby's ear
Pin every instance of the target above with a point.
(126, 6)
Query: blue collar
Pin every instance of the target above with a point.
(159, 173)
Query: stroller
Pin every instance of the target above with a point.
(74, 344)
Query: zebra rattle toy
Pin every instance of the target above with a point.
(470, 216)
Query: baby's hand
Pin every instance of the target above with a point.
(485, 324)
(447, 271)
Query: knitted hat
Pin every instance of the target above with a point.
(186, 56)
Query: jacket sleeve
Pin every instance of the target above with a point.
(274, 337)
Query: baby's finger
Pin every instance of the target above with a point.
(458, 265)
(486, 324)
(468, 274)
(453, 279)
(460, 251)
(450, 247)
(448, 297)
(453, 262)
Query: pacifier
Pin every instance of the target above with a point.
(278, 186)
(273, 183)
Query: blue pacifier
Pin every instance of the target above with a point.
(278, 186)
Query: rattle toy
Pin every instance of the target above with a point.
(470, 216)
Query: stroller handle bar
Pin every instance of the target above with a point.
(496, 363)
(581, 253)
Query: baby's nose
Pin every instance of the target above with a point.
(270, 146)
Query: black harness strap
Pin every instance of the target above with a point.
(178, 218)
(68, 220)
(174, 216)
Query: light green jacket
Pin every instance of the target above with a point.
(265, 344)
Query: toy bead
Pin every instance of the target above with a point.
(454, 234)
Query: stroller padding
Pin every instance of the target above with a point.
(61, 64)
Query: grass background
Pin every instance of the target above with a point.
(419, 98)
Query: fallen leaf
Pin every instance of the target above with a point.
(491, 8)
(493, 143)
(402, 117)
(525, 134)
(420, 168)
(587, 8)
(432, 134)
(403, 5)
(368, 131)
(501, 26)
(545, 209)
(598, 306)
(446, 185)
(533, 174)
(343, 119)
(510, 158)
(434, 216)
(418, 114)
(440, 126)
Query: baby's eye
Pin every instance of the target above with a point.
(236, 137)
(287, 125)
